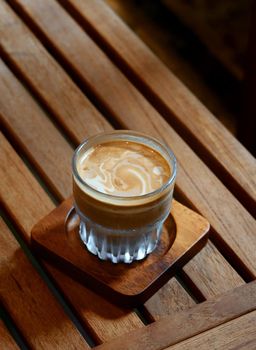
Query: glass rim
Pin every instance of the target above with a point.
(124, 133)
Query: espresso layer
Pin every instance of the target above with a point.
(123, 168)
(119, 217)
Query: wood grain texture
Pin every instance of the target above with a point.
(172, 297)
(198, 185)
(47, 79)
(35, 133)
(104, 320)
(186, 324)
(217, 269)
(151, 127)
(236, 334)
(26, 210)
(6, 340)
(30, 303)
(219, 149)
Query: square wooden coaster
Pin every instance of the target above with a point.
(56, 239)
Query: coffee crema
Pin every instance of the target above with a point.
(123, 168)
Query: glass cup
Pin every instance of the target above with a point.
(122, 229)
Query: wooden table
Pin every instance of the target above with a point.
(70, 69)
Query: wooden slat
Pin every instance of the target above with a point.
(28, 300)
(172, 297)
(6, 340)
(53, 86)
(227, 279)
(183, 325)
(26, 204)
(236, 334)
(208, 274)
(35, 133)
(224, 154)
(198, 185)
(105, 321)
(216, 269)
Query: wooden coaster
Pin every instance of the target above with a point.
(56, 239)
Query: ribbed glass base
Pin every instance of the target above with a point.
(120, 246)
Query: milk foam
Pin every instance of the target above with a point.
(123, 168)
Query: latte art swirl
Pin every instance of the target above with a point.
(123, 168)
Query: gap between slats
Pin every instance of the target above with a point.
(13, 329)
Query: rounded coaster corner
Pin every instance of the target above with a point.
(55, 238)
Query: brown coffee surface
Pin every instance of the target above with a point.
(123, 168)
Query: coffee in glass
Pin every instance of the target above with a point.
(123, 185)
